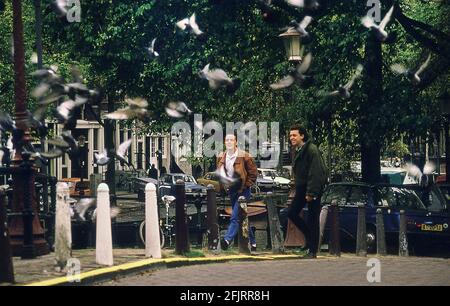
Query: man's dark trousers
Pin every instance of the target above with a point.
(311, 230)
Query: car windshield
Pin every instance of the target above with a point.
(396, 197)
(336, 194)
(184, 178)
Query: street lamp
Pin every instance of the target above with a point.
(292, 44)
(444, 100)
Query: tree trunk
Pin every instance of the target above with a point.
(370, 130)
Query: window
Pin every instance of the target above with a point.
(387, 197)
(359, 195)
(337, 194)
(139, 155)
(408, 199)
(153, 150)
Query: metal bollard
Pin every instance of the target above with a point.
(152, 239)
(361, 236)
(276, 236)
(243, 233)
(6, 263)
(103, 248)
(181, 226)
(28, 248)
(402, 237)
(63, 230)
(213, 224)
(322, 223)
(335, 242)
(381, 239)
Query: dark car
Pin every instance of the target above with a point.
(425, 208)
(139, 184)
(194, 191)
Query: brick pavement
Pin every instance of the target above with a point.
(347, 270)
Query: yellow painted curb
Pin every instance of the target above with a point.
(150, 262)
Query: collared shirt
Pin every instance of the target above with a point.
(229, 163)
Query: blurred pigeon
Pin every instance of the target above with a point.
(81, 207)
(151, 50)
(300, 27)
(177, 109)
(65, 110)
(190, 25)
(422, 178)
(36, 121)
(58, 142)
(379, 31)
(412, 76)
(6, 122)
(122, 150)
(295, 75)
(309, 4)
(137, 108)
(102, 159)
(218, 78)
(224, 178)
(344, 90)
(60, 7)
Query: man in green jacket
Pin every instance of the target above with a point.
(310, 176)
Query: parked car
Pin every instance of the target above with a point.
(278, 181)
(194, 191)
(139, 184)
(213, 179)
(426, 212)
(264, 184)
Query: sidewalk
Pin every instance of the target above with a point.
(42, 272)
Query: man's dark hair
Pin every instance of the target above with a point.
(301, 130)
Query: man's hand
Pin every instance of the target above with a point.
(309, 198)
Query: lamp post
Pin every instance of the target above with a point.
(82, 147)
(292, 44)
(444, 100)
(24, 194)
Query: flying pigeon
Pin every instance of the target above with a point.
(379, 30)
(177, 109)
(295, 75)
(412, 76)
(190, 25)
(218, 78)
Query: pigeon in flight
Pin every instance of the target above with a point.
(102, 159)
(151, 50)
(413, 77)
(190, 25)
(177, 110)
(295, 75)
(309, 4)
(218, 78)
(379, 30)
(344, 90)
(137, 108)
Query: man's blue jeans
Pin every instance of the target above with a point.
(234, 220)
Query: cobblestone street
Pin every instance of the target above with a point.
(347, 270)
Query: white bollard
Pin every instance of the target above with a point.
(152, 239)
(63, 230)
(103, 250)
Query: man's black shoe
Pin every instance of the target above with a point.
(253, 248)
(224, 244)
